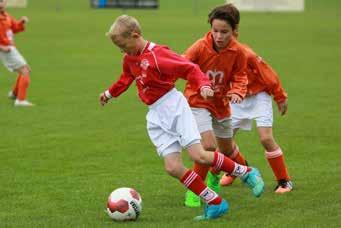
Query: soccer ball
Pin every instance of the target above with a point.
(124, 204)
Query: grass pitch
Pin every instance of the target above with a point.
(60, 160)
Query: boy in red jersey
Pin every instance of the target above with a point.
(263, 83)
(11, 57)
(221, 57)
(170, 122)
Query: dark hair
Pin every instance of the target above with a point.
(233, 11)
(227, 12)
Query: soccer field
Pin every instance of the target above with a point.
(60, 160)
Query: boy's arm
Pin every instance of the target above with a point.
(272, 83)
(192, 53)
(271, 80)
(121, 85)
(239, 79)
(18, 25)
(173, 64)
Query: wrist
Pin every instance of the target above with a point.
(107, 94)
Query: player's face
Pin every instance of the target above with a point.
(221, 32)
(126, 44)
(3, 4)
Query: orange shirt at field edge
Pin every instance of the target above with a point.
(9, 26)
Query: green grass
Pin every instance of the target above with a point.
(60, 160)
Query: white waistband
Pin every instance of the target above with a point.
(163, 98)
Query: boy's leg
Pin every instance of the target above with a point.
(216, 205)
(191, 199)
(218, 161)
(238, 157)
(275, 158)
(23, 85)
(231, 150)
(14, 92)
(209, 143)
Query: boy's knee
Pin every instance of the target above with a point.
(173, 169)
(267, 141)
(200, 157)
(209, 146)
(24, 70)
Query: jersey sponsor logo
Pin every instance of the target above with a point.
(217, 79)
(144, 64)
(215, 76)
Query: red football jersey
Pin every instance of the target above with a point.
(155, 71)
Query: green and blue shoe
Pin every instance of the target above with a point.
(254, 180)
(192, 200)
(213, 211)
(213, 182)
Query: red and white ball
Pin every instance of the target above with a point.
(124, 204)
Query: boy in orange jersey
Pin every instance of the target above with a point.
(170, 122)
(10, 56)
(263, 83)
(221, 57)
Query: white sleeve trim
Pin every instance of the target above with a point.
(209, 87)
(107, 94)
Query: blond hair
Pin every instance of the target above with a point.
(124, 25)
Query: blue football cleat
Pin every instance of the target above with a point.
(254, 180)
(213, 211)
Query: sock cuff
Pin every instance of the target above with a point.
(208, 195)
(274, 154)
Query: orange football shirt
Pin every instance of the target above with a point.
(226, 69)
(8, 26)
(261, 77)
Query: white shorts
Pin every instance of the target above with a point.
(257, 107)
(12, 60)
(171, 125)
(206, 122)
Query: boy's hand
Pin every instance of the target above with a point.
(206, 92)
(234, 98)
(283, 107)
(103, 99)
(24, 19)
(5, 48)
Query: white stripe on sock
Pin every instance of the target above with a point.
(189, 180)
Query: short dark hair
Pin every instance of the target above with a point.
(227, 12)
(233, 11)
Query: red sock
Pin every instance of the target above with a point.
(277, 163)
(225, 164)
(16, 86)
(237, 156)
(194, 183)
(201, 170)
(22, 87)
